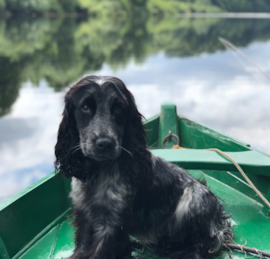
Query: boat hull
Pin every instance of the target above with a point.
(35, 223)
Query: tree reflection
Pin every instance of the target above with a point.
(9, 84)
(62, 50)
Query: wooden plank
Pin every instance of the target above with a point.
(251, 161)
(29, 213)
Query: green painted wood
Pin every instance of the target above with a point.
(262, 182)
(3, 250)
(43, 232)
(57, 243)
(251, 161)
(27, 214)
(236, 181)
(167, 122)
(249, 224)
(266, 209)
(43, 247)
(65, 241)
(197, 136)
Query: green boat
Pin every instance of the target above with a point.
(34, 223)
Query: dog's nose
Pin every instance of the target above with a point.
(105, 144)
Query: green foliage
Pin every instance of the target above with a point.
(40, 6)
(243, 5)
(9, 84)
(2, 4)
(68, 5)
(101, 7)
(160, 7)
(30, 5)
(115, 8)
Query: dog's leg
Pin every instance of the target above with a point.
(83, 236)
(199, 226)
(111, 243)
(96, 241)
(109, 205)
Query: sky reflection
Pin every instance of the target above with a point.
(218, 90)
(28, 135)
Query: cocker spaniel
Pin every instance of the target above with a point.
(120, 189)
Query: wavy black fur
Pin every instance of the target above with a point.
(120, 189)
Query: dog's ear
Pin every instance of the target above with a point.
(135, 136)
(69, 161)
(134, 140)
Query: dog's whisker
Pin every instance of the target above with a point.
(76, 150)
(79, 145)
(75, 147)
(126, 150)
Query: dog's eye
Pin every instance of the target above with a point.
(86, 109)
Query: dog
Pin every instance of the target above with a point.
(120, 189)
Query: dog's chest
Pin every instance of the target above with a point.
(110, 191)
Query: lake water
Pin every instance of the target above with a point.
(177, 59)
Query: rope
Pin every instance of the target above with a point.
(243, 174)
(239, 169)
(248, 249)
(242, 54)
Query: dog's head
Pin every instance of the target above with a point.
(100, 121)
(100, 111)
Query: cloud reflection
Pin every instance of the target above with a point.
(28, 138)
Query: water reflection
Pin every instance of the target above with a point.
(28, 136)
(170, 59)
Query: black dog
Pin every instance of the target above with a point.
(120, 189)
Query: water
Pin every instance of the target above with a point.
(177, 59)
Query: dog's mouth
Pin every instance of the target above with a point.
(103, 157)
(99, 155)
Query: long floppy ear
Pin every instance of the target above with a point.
(69, 158)
(135, 136)
(134, 140)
